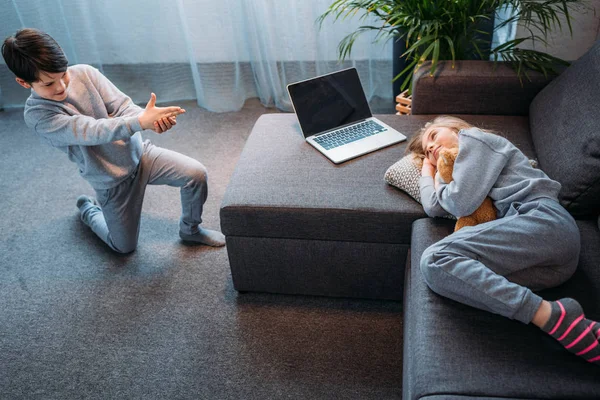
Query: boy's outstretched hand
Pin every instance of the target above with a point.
(163, 116)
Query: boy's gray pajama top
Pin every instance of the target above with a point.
(97, 126)
(533, 245)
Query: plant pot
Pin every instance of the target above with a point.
(399, 48)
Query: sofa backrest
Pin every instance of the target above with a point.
(565, 127)
(474, 87)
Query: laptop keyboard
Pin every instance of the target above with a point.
(349, 134)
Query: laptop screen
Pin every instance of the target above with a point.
(329, 101)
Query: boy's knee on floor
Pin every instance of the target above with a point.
(125, 250)
(125, 247)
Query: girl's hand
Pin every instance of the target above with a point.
(428, 168)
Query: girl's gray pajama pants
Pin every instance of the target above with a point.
(118, 223)
(496, 265)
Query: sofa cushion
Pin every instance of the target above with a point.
(474, 87)
(565, 127)
(456, 350)
(282, 187)
(405, 175)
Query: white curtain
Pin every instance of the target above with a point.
(508, 32)
(219, 53)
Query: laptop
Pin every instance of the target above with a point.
(335, 117)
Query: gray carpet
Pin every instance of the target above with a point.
(79, 321)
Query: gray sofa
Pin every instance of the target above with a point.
(454, 351)
(297, 224)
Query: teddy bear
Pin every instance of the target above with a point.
(486, 211)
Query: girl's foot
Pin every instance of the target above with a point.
(579, 335)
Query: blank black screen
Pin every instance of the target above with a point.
(329, 101)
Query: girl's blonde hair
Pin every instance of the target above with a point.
(415, 144)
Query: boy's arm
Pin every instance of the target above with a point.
(117, 103)
(64, 130)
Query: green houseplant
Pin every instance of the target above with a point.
(434, 30)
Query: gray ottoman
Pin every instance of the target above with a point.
(296, 223)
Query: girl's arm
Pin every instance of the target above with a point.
(429, 198)
(476, 170)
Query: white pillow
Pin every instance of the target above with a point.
(405, 175)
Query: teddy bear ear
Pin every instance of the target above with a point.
(447, 155)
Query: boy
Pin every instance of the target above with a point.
(80, 112)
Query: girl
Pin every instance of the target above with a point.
(485, 266)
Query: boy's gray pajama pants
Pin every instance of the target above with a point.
(496, 265)
(118, 224)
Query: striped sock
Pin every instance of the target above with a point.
(579, 335)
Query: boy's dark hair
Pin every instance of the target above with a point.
(30, 51)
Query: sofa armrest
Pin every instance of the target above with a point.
(474, 87)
